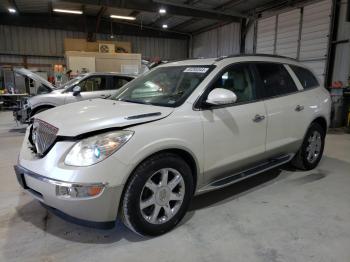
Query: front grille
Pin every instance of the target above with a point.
(42, 136)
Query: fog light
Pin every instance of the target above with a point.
(78, 191)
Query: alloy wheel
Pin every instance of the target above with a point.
(162, 196)
(313, 149)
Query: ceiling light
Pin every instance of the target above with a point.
(165, 26)
(123, 17)
(77, 12)
(12, 10)
(162, 11)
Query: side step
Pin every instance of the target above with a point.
(226, 181)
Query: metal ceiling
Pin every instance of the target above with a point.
(183, 17)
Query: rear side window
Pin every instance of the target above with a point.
(306, 78)
(276, 79)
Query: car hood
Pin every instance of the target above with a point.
(26, 73)
(97, 114)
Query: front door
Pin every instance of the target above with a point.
(234, 135)
(91, 87)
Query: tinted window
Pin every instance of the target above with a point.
(276, 79)
(42, 89)
(95, 83)
(306, 78)
(118, 82)
(238, 79)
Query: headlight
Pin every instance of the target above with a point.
(94, 149)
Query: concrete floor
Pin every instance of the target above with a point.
(281, 215)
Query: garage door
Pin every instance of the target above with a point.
(288, 33)
(315, 35)
(266, 36)
(301, 33)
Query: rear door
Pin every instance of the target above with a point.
(284, 106)
(234, 135)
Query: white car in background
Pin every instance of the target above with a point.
(83, 87)
(182, 129)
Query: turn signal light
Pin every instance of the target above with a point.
(78, 191)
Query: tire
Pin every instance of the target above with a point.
(304, 159)
(147, 187)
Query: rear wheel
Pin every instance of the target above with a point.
(311, 151)
(157, 195)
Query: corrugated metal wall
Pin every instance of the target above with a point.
(164, 48)
(45, 42)
(34, 41)
(341, 70)
(222, 41)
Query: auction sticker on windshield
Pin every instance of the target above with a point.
(200, 70)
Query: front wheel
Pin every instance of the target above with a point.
(311, 151)
(158, 195)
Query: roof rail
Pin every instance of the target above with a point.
(244, 55)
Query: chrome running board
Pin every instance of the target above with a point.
(262, 167)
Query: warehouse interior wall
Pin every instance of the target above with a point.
(300, 32)
(46, 46)
(221, 41)
(341, 69)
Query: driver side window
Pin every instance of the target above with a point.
(238, 79)
(95, 83)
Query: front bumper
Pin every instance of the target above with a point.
(99, 211)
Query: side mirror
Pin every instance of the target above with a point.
(221, 96)
(76, 90)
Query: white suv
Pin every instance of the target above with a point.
(182, 129)
(83, 87)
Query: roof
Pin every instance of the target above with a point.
(233, 59)
(185, 16)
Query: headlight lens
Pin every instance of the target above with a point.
(94, 149)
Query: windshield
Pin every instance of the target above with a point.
(164, 86)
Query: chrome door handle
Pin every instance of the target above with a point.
(299, 108)
(258, 118)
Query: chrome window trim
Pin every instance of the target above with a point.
(197, 108)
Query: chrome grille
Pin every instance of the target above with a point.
(42, 136)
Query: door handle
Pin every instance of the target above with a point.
(103, 95)
(299, 108)
(258, 118)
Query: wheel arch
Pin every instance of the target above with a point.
(35, 110)
(322, 122)
(187, 156)
(184, 154)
